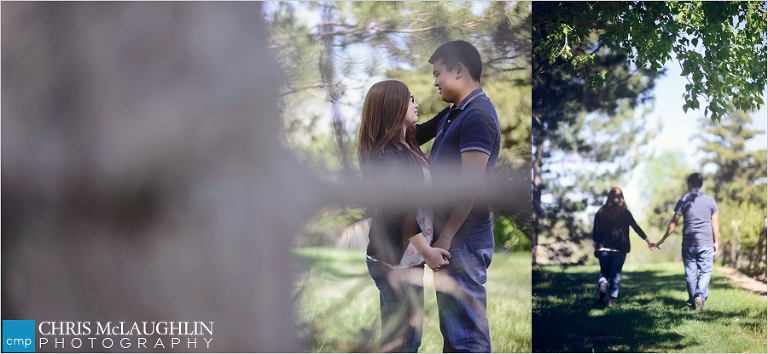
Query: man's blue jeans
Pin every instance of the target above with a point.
(698, 262)
(610, 270)
(462, 301)
(401, 299)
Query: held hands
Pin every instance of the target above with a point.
(436, 257)
(442, 250)
(652, 245)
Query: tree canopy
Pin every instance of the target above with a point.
(721, 45)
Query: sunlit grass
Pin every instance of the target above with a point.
(649, 316)
(338, 302)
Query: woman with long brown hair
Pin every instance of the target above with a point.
(611, 236)
(399, 237)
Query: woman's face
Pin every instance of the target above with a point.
(412, 114)
(616, 197)
(618, 201)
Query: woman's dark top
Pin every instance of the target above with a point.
(392, 226)
(613, 232)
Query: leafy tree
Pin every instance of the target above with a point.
(742, 226)
(740, 174)
(721, 45)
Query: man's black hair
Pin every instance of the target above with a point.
(695, 180)
(455, 52)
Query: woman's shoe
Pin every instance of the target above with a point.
(610, 302)
(601, 299)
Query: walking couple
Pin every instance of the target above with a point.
(700, 240)
(456, 242)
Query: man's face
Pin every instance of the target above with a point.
(446, 81)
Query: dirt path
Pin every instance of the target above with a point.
(744, 281)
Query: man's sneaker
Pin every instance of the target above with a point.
(699, 303)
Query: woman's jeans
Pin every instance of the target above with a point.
(401, 299)
(610, 270)
(698, 271)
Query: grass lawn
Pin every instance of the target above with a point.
(650, 314)
(337, 304)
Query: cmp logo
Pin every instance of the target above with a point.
(18, 336)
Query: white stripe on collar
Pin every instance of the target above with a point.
(467, 101)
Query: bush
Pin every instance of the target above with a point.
(509, 236)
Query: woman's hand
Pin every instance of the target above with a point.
(436, 257)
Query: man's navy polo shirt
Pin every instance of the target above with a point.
(472, 125)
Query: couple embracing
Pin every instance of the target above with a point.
(455, 242)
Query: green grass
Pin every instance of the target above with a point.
(650, 314)
(337, 304)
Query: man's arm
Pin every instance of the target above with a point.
(473, 164)
(428, 130)
(715, 231)
(670, 228)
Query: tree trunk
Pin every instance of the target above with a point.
(327, 68)
(536, 199)
(142, 173)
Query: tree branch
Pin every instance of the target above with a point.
(593, 25)
(513, 57)
(296, 90)
(377, 30)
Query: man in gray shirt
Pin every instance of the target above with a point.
(700, 239)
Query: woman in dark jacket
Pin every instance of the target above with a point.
(400, 236)
(611, 236)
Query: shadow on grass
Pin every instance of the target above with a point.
(650, 305)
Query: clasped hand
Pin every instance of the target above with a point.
(652, 245)
(436, 257)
